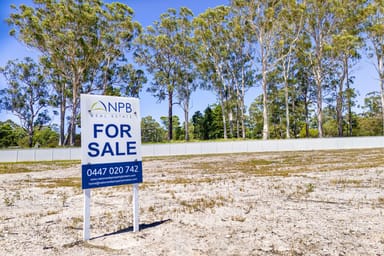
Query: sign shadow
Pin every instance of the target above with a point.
(130, 229)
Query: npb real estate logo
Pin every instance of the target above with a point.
(110, 107)
(111, 141)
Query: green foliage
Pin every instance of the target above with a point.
(197, 123)
(177, 132)
(313, 133)
(26, 95)
(166, 50)
(81, 43)
(151, 130)
(209, 125)
(46, 137)
(11, 134)
(370, 126)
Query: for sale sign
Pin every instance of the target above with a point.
(110, 141)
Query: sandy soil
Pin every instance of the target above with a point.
(204, 205)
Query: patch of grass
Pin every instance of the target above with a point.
(345, 182)
(179, 180)
(310, 188)
(55, 183)
(238, 218)
(203, 203)
(22, 167)
(184, 181)
(10, 198)
(52, 212)
(9, 201)
(74, 223)
(302, 191)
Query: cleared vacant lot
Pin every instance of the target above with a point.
(289, 203)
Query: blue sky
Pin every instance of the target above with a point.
(147, 11)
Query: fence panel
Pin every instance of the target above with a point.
(200, 148)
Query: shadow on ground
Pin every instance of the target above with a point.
(130, 229)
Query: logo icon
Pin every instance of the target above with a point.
(98, 106)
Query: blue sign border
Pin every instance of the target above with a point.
(111, 174)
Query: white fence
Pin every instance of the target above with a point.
(200, 148)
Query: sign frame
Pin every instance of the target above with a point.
(110, 148)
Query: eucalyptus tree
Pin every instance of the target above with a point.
(211, 33)
(346, 42)
(304, 86)
(239, 66)
(292, 24)
(263, 18)
(165, 50)
(26, 95)
(224, 61)
(186, 54)
(78, 40)
(123, 80)
(320, 26)
(375, 35)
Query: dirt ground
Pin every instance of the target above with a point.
(288, 203)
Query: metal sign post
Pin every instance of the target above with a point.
(110, 148)
(135, 207)
(87, 214)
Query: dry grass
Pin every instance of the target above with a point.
(55, 183)
(346, 182)
(266, 163)
(22, 167)
(203, 203)
(286, 163)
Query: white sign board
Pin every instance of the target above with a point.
(110, 148)
(111, 141)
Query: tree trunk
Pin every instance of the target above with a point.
(62, 118)
(340, 99)
(230, 118)
(72, 131)
(306, 111)
(224, 119)
(349, 95)
(382, 102)
(186, 117)
(170, 118)
(221, 99)
(67, 137)
(287, 121)
(242, 119)
(380, 65)
(242, 106)
(30, 136)
(265, 106)
(294, 120)
(319, 100)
